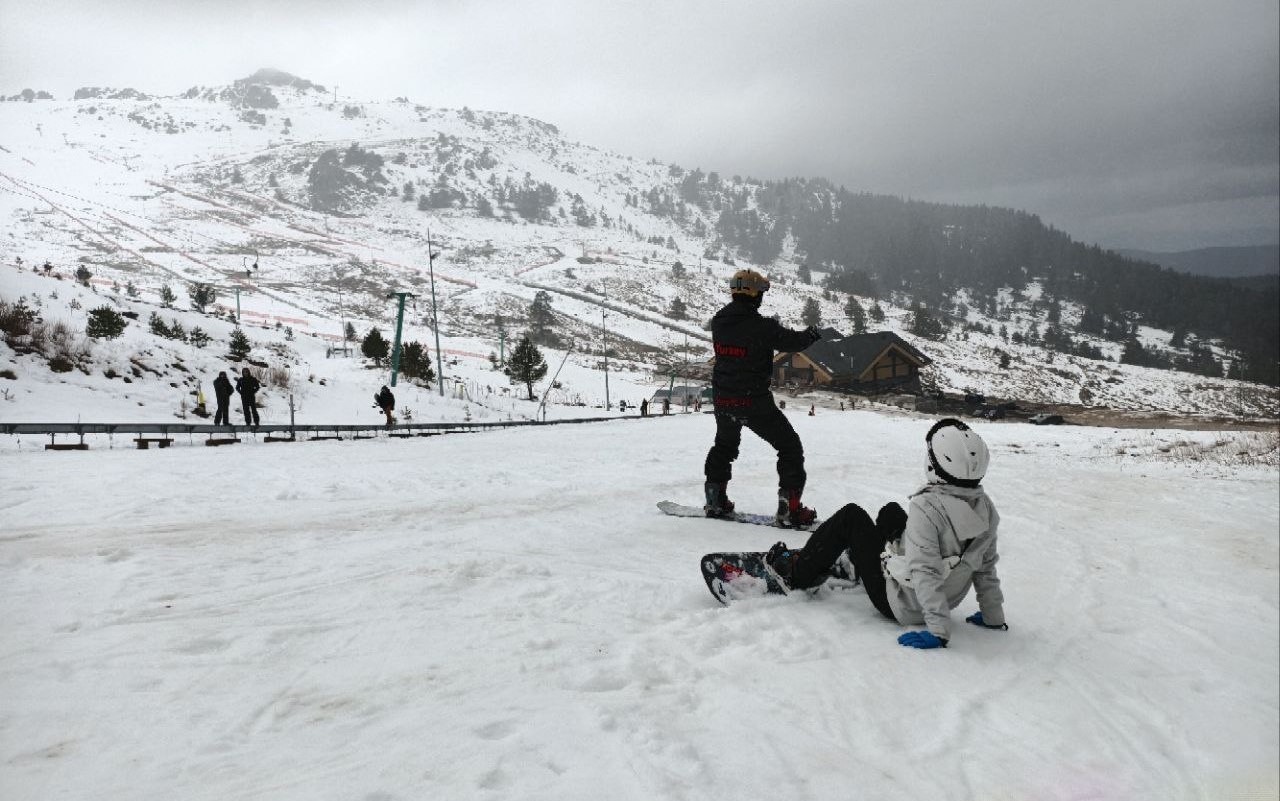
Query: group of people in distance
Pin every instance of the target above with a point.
(915, 564)
(247, 386)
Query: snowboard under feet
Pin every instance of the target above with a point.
(681, 510)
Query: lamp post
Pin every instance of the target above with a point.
(435, 322)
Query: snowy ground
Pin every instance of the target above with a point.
(506, 615)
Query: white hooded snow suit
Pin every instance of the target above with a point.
(949, 545)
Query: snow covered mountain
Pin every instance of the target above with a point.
(304, 212)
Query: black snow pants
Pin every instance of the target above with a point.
(250, 407)
(222, 417)
(851, 529)
(768, 422)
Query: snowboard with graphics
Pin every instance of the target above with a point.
(737, 575)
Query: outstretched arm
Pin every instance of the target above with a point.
(785, 339)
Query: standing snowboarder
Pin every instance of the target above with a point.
(745, 343)
(248, 387)
(222, 391)
(917, 566)
(387, 403)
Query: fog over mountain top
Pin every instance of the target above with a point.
(1145, 124)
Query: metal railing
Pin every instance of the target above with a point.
(275, 432)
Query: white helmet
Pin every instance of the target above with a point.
(957, 455)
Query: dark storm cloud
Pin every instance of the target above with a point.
(1140, 123)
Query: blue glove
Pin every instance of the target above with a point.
(922, 639)
(976, 619)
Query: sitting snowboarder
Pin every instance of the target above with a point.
(917, 566)
(385, 401)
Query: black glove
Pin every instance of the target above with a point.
(814, 333)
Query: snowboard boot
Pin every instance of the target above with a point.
(718, 503)
(783, 561)
(791, 513)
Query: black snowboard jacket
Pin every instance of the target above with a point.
(248, 386)
(745, 342)
(222, 388)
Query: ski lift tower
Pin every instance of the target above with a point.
(395, 350)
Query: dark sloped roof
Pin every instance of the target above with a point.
(838, 354)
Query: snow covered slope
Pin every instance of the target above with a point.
(333, 202)
(507, 615)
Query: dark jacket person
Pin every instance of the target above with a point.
(745, 342)
(222, 392)
(248, 387)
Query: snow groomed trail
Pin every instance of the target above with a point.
(509, 616)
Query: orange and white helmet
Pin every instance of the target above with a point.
(749, 283)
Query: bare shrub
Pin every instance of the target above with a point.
(279, 377)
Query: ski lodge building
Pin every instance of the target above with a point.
(864, 363)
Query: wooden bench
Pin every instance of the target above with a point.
(145, 442)
(269, 438)
(67, 446)
(221, 441)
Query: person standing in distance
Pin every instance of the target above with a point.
(222, 392)
(745, 343)
(248, 387)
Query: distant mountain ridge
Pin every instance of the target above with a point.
(1215, 262)
(336, 200)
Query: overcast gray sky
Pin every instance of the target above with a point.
(1133, 123)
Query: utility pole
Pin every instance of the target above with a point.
(604, 333)
(435, 322)
(686, 372)
(395, 350)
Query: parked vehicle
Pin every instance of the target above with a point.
(1047, 419)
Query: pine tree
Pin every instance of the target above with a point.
(374, 346)
(924, 324)
(678, 309)
(166, 296)
(541, 319)
(105, 323)
(804, 274)
(1134, 353)
(83, 275)
(157, 326)
(198, 337)
(877, 313)
(857, 317)
(415, 362)
(201, 296)
(349, 334)
(239, 346)
(526, 364)
(812, 314)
